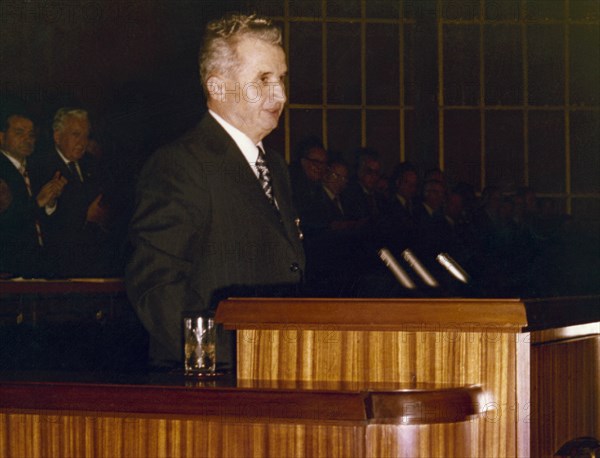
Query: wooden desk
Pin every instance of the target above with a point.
(348, 378)
(169, 415)
(537, 361)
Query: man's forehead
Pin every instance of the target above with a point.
(20, 121)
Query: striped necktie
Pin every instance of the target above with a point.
(264, 176)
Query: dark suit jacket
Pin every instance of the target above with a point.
(75, 248)
(204, 230)
(358, 202)
(20, 253)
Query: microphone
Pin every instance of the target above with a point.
(453, 268)
(419, 268)
(390, 261)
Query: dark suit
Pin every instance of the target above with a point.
(204, 230)
(20, 253)
(361, 204)
(396, 229)
(76, 248)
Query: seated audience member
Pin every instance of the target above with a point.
(363, 198)
(434, 174)
(432, 227)
(21, 239)
(78, 233)
(334, 242)
(307, 172)
(397, 229)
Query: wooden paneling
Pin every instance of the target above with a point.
(461, 358)
(434, 441)
(77, 435)
(565, 379)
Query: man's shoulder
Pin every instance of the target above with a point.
(206, 137)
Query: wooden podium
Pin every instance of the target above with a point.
(537, 363)
(339, 378)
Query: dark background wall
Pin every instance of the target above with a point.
(496, 93)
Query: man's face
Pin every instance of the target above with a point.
(315, 164)
(336, 178)
(252, 99)
(434, 195)
(370, 173)
(73, 138)
(407, 185)
(19, 139)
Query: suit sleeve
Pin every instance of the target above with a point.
(171, 206)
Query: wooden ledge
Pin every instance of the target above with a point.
(66, 286)
(468, 315)
(251, 401)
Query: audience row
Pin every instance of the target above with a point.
(63, 215)
(507, 244)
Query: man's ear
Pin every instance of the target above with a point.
(215, 87)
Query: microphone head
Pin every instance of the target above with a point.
(419, 268)
(453, 268)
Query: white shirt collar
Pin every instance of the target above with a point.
(329, 193)
(243, 142)
(61, 155)
(401, 199)
(14, 162)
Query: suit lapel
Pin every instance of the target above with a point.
(244, 183)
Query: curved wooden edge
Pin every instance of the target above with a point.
(409, 406)
(425, 407)
(500, 315)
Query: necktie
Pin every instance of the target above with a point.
(38, 228)
(264, 176)
(73, 169)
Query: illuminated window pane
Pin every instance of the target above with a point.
(382, 64)
(383, 8)
(306, 8)
(462, 146)
(588, 10)
(469, 10)
(411, 85)
(546, 63)
(546, 151)
(343, 8)
(306, 76)
(276, 139)
(343, 63)
(504, 149)
(503, 65)
(585, 65)
(409, 137)
(268, 8)
(505, 10)
(304, 123)
(343, 129)
(383, 136)
(585, 145)
(543, 10)
(461, 65)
